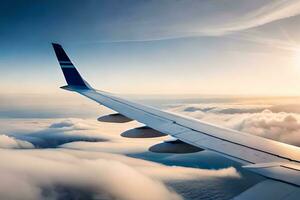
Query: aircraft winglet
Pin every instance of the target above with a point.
(71, 74)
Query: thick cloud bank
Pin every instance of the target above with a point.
(282, 127)
(56, 134)
(33, 173)
(7, 142)
(56, 174)
(86, 169)
(271, 121)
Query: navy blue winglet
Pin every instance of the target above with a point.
(71, 74)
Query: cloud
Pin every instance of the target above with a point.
(81, 170)
(63, 124)
(58, 133)
(71, 124)
(182, 173)
(269, 121)
(221, 109)
(242, 20)
(74, 133)
(282, 127)
(7, 142)
(272, 11)
(53, 174)
(91, 175)
(202, 18)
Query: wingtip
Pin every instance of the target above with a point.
(71, 74)
(54, 44)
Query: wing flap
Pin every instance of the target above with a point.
(286, 172)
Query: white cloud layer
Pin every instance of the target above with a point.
(88, 172)
(7, 142)
(255, 119)
(97, 174)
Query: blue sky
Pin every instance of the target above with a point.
(154, 47)
(215, 47)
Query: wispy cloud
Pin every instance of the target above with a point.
(270, 12)
(200, 19)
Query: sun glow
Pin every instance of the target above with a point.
(296, 59)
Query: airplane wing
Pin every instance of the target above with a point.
(278, 162)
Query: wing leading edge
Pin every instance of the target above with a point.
(256, 153)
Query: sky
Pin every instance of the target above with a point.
(220, 61)
(232, 47)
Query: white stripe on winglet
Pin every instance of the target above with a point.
(66, 66)
(65, 62)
